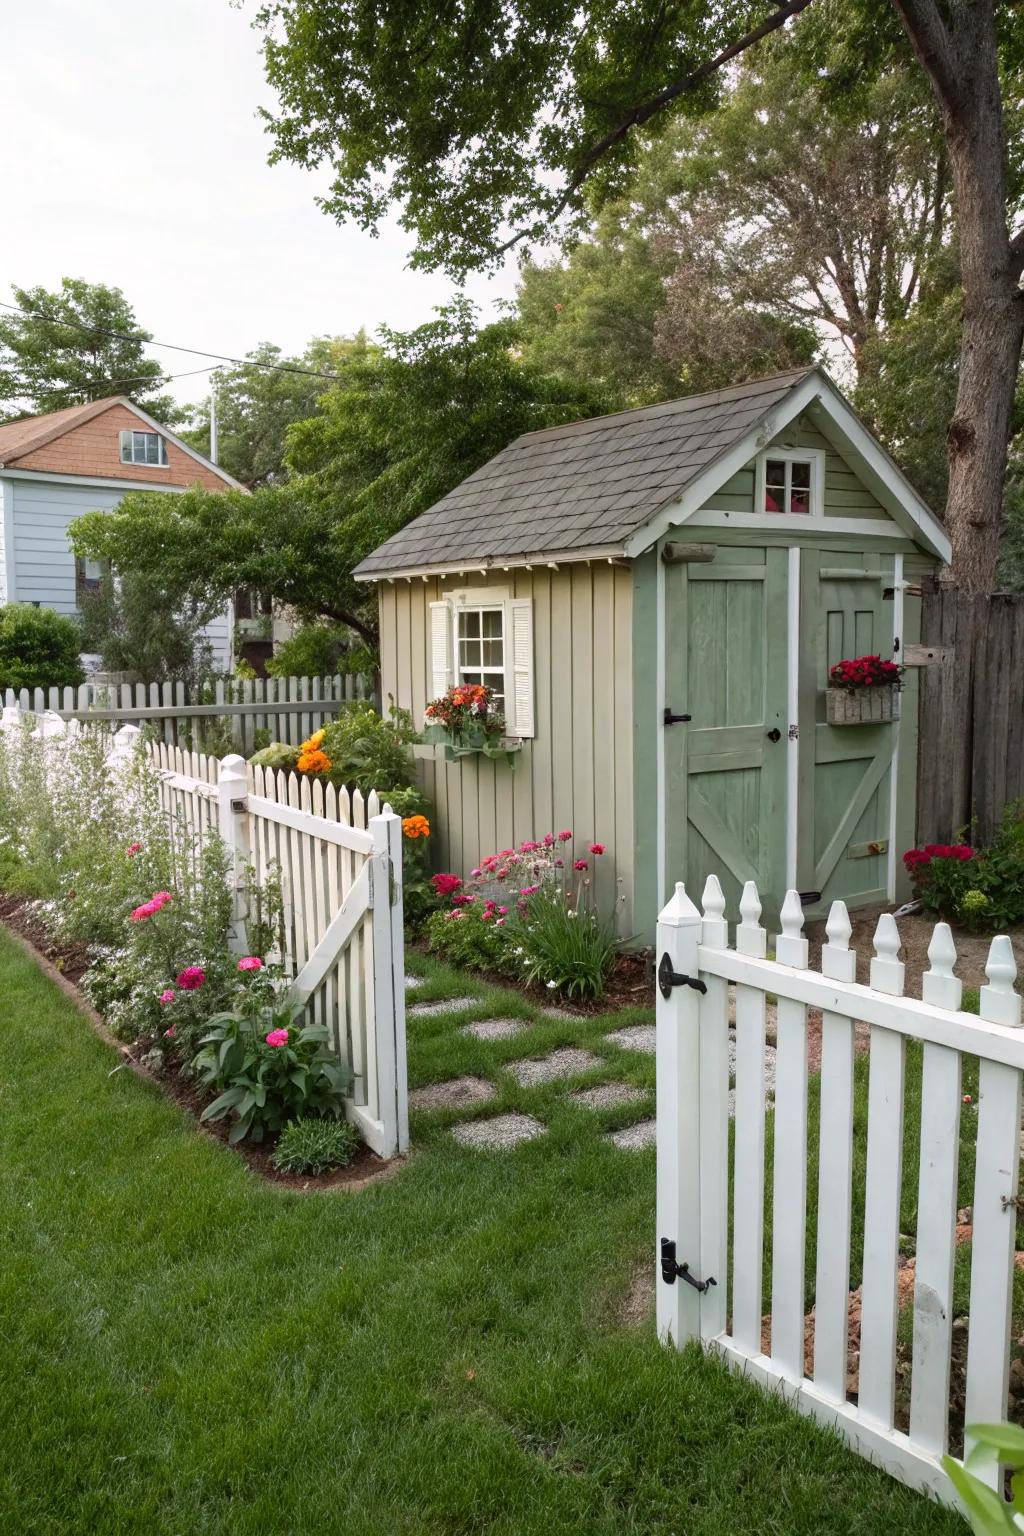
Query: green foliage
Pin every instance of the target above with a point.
(269, 1069)
(320, 649)
(371, 751)
(39, 648)
(314, 1146)
(47, 362)
(985, 891)
(463, 937)
(137, 626)
(277, 754)
(1000, 1445)
(567, 949)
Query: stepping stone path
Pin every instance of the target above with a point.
(633, 1137)
(564, 1063)
(608, 1095)
(455, 1094)
(443, 1005)
(494, 1029)
(500, 1133)
(635, 1037)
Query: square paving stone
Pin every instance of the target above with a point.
(608, 1095)
(564, 1063)
(500, 1133)
(442, 1005)
(632, 1137)
(455, 1094)
(635, 1037)
(494, 1029)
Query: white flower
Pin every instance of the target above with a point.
(552, 985)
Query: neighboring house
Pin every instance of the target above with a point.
(55, 467)
(663, 592)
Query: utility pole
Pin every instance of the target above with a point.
(213, 417)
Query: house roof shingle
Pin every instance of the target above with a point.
(20, 437)
(587, 485)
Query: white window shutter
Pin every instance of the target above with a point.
(126, 447)
(440, 649)
(519, 668)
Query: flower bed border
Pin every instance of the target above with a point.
(364, 1169)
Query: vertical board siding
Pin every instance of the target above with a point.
(845, 494)
(577, 770)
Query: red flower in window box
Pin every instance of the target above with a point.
(864, 672)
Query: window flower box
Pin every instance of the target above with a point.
(863, 691)
(464, 721)
(470, 743)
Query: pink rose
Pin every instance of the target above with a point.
(167, 996)
(277, 1037)
(133, 849)
(191, 978)
(250, 963)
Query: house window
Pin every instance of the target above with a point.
(480, 650)
(143, 448)
(787, 485)
(88, 575)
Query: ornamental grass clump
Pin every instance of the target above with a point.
(315, 1146)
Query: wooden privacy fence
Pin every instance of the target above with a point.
(724, 1259)
(289, 708)
(971, 720)
(339, 861)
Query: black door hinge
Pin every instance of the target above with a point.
(670, 1269)
(668, 978)
(668, 718)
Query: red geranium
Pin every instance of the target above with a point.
(864, 672)
(446, 885)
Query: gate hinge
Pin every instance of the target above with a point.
(794, 733)
(670, 1269)
(668, 978)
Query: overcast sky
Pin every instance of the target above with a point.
(131, 155)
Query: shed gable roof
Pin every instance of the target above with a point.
(600, 486)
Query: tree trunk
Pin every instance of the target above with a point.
(960, 60)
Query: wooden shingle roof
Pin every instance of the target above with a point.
(578, 488)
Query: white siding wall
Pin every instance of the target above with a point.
(43, 564)
(3, 549)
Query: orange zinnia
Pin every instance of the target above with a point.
(416, 826)
(314, 761)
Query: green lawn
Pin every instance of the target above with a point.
(185, 1350)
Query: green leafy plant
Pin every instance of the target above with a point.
(320, 649)
(466, 936)
(371, 751)
(567, 949)
(39, 648)
(988, 1512)
(980, 887)
(313, 1146)
(270, 1069)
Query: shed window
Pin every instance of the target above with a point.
(787, 485)
(480, 650)
(143, 448)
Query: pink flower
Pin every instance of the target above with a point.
(444, 885)
(160, 899)
(475, 874)
(506, 853)
(503, 911)
(967, 1099)
(565, 837)
(191, 978)
(169, 1033)
(529, 890)
(277, 1037)
(167, 996)
(502, 873)
(146, 910)
(133, 849)
(549, 839)
(597, 848)
(528, 847)
(485, 917)
(250, 963)
(580, 864)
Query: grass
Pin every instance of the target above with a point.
(186, 1350)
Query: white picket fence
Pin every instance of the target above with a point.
(339, 861)
(693, 1148)
(290, 708)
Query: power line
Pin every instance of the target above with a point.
(221, 357)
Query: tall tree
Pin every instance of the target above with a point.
(413, 419)
(258, 400)
(74, 345)
(486, 123)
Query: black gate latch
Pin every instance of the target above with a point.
(668, 978)
(670, 1269)
(668, 718)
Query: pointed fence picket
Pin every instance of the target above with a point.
(725, 1309)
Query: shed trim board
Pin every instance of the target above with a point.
(101, 482)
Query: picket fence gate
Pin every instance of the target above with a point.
(339, 860)
(290, 708)
(722, 1306)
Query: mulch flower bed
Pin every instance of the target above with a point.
(67, 964)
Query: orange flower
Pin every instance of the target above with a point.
(314, 761)
(416, 826)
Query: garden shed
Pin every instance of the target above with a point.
(657, 597)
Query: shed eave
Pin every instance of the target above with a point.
(538, 560)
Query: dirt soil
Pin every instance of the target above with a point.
(71, 960)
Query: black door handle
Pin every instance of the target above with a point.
(774, 734)
(670, 719)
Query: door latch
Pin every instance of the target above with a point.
(670, 719)
(668, 978)
(670, 1269)
(774, 734)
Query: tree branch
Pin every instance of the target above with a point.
(930, 39)
(637, 116)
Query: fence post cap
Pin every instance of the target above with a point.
(679, 909)
(232, 766)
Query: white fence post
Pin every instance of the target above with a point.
(678, 1123)
(123, 745)
(233, 825)
(389, 981)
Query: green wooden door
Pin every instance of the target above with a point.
(844, 788)
(725, 777)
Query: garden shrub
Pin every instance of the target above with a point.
(980, 887)
(568, 950)
(365, 750)
(467, 936)
(319, 649)
(313, 1146)
(39, 648)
